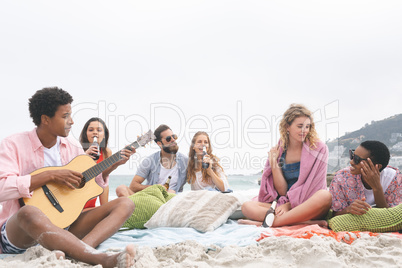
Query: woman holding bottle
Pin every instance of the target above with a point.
(204, 171)
(95, 129)
(295, 175)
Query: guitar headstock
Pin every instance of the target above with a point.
(147, 137)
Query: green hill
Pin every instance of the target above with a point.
(388, 131)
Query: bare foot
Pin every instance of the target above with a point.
(322, 223)
(250, 222)
(59, 254)
(126, 258)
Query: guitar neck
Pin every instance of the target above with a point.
(105, 164)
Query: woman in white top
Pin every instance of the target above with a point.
(210, 178)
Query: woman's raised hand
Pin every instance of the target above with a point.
(207, 159)
(92, 150)
(273, 157)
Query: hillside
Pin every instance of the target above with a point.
(388, 131)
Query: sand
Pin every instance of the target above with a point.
(367, 251)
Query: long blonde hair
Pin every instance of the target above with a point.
(193, 163)
(295, 111)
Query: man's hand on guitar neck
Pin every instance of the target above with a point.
(124, 156)
(69, 178)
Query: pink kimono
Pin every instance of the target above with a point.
(312, 177)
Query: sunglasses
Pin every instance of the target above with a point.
(169, 138)
(356, 159)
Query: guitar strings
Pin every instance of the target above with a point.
(95, 170)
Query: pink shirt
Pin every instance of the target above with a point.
(21, 154)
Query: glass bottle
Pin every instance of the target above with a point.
(95, 143)
(204, 152)
(167, 183)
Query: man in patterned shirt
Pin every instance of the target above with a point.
(368, 182)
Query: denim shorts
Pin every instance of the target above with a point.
(6, 246)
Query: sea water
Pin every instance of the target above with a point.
(245, 184)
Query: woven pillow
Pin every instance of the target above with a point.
(147, 202)
(202, 210)
(377, 220)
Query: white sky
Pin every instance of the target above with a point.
(225, 66)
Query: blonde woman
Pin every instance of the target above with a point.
(295, 175)
(208, 178)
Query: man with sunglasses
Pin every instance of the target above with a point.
(156, 168)
(368, 182)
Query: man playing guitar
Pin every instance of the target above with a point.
(47, 145)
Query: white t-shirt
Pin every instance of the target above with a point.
(198, 184)
(52, 155)
(165, 173)
(386, 177)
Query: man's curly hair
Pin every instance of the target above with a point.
(46, 102)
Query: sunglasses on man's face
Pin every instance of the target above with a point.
(169, 138)
(356, 159)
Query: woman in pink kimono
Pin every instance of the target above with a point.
(294, 175)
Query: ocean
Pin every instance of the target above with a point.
(246, 184)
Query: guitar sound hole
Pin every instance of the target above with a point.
(82, 184)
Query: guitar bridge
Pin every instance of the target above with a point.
(53, 200)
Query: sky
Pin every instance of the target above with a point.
(230, 68)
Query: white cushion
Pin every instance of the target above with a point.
(202, 210)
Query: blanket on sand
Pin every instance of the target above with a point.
(308, 231)
(233, 245)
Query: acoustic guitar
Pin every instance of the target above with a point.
(63, 205)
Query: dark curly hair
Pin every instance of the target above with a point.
(379, 152)
(46, 101)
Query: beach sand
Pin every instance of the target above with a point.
(367, 251)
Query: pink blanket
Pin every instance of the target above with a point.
(312, 177)
(307, 231)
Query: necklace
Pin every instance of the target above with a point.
(171, 162)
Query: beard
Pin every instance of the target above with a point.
(172, 149)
